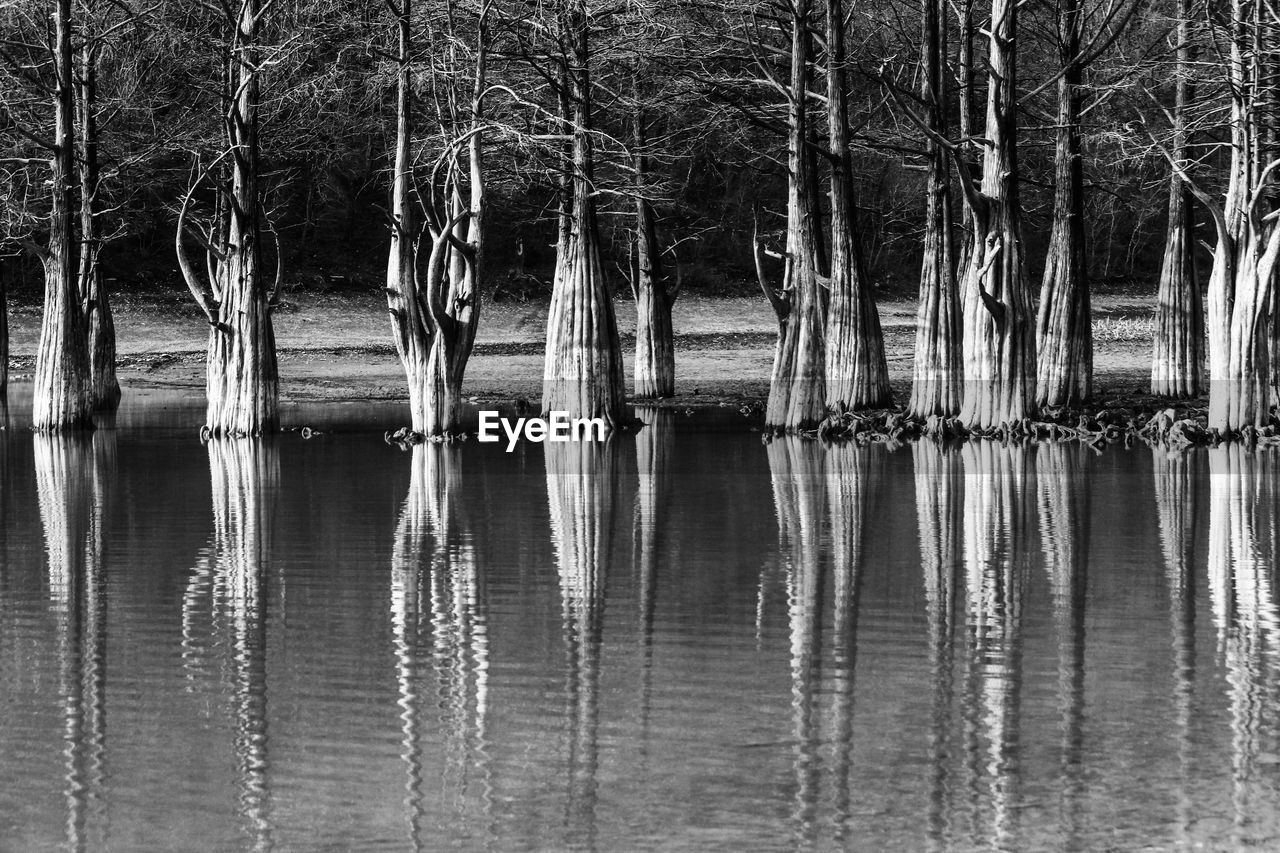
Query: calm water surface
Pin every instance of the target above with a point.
(681, 640)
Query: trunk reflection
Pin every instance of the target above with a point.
(939, 487)
(1178, 511)
(1064, 502)
(815, 489)
(225, 612)
(1242, 508)
(74, 477)
(581, 494)
(996, 527)
(440, 628)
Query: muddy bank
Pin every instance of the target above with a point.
(339, 349)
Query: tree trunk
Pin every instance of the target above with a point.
(60, 396)
(999, 343)
(435, 311)
(936, 387)
(655, 365)
(104, 388)
(1064, 331)
(1244, 260)
(797, 386)
(4, 333)
(1177, 363)
(241, 376)
(857, 376)
(583, 372)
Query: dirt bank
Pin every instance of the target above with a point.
(338, 347)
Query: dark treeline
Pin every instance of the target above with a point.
(1002, 155)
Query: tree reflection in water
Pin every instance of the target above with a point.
(1178, 514)
(228, 588)
(655, 445)
(996, 528)
(1064, 503)
(939, 487)
(1242, 510)
(815, 486)
(440, 628)
(74, 477)
(581, 494)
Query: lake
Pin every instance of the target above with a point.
(682, 639)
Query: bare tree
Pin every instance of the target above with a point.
(655, 293)
(60, 396)
(856, 373)
(1242, 279)
(583, 372)
(435, 311)
(242, 381)
(1177, 362)
(936, 387)
(797, 384)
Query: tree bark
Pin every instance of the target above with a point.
(655, 364)
(1244, 261)
(104, 388)
(435, 311)
(999, 342)
(857, 376)
(583, 372)
(936, 387)
(241, 374)
(1177, 363)
(4, 334)
(797, 386)
(1064, 371)
(60, 396)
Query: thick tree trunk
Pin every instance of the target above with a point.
(1177, 363)
(60, 396)
(857, 376)
(797, 384)
(241, 376)
(583, 372)
(435, 311)
(965, 80)
(104, 388)
(936, 381)
(655, 364)
(4, 334)
(1064, 330)
(999, 341)
(1244, 261)
(410, 329)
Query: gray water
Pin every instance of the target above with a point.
(684, 639)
